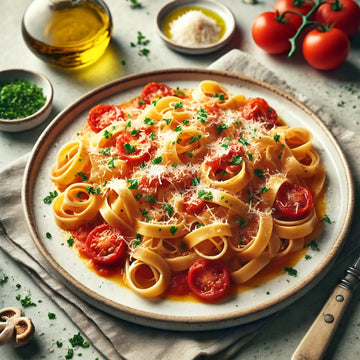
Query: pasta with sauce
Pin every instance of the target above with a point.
(198, 183)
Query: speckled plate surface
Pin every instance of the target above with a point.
(239, 309)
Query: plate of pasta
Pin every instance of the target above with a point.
(188, 199)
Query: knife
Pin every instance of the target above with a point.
(317, 339)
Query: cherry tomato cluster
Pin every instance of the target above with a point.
(326, 46)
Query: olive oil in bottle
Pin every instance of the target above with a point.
(67, 33)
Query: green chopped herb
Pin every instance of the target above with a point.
(259, 173)
(174, 229)
(128, 125)
(152, 136)
(70, 241)
(111, 163)
(92, 190)
(327, 219)
(314, 245)
(221, 127)
(178, 128)
(168, 121)
(69, 354)
(250, 156)
(307, 257)
(135, 4)
(135, 132)
(276, 137)
(133, 184)
(59, 344)
(178, 105)
(236, 159)
(149, 121)
(195, 181)
(51, 316)
(107, 134)
(129, 149)
(206, 195)
(82, 175)
(105, 152)
(52, 195)
(4, 279)
(158, 160)
(150, 199)
(26, 301)
(48, 235)
(20, 99)
(264, 189)
(169, 209)
(78, 340)
(243, 141)
(186, 122)
(241, 222)
(291, 271)
(202, 115)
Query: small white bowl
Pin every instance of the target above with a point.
(29, 122)
(216, 7)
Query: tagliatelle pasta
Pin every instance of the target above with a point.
(177, 182)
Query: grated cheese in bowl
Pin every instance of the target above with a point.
(194, 29)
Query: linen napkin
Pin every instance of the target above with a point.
(115, 338)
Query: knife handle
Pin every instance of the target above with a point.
(317, 339)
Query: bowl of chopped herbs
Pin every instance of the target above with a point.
(25, 99)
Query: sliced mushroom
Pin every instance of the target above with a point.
(14, 327)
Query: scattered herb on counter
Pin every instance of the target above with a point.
(135, 4)
(69, 354)
(20, 99)
(141, 43)
(4, 279)
(26, 301)
(78, 340)
(291, 271)
(59, 344)
(51, 316)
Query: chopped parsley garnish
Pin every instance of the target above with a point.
(259, 173)
(150, 199)
(195, 181)
(291, 271)
(202, 115)
(129, 149)
(152, 136)
(250, 156)
(69, 354)
(221, 127)
(107, 134)
(128, 125)
(4, 279)
(48, 235)
(276, 137)
(82, 175)
(149, 121)
(307, 257)
(243, 141)
(51, 316)
(52, 195)
(314, 245)
(241, 222)
(105, 152)
(169, 209)
(219, 96)
(236, 159)
(158, 160)
(178, 105)
(92, 190)
(168, 121)
(78, 340)
(133, 184)
(70, 241)
(178, 128)
(264, 189)
(186, 122)
(327, 219)
(206, 195)
(26, 301)
(174, 229)
(111, 163)
(135, 132)
(135, 4)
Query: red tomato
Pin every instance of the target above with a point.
(299, 6)
(135, 148)
(153, 91)
(259, 110)
(193, 206)
(209, 279)
(229, 162)
(326, 50)
(342, 14)
(106, 245)
(79, 235)
(178, 284)
(102, 116)
(293, 202)
(272, 34)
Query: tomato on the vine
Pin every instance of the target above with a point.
(342, 14)
(300, 6)
(326, 50)
(209, 279)
(293, 202)
(272, 32)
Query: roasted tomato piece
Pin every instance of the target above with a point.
(101, 116)
(209, 279)
(293, 202)
(259, 110)
(106, 245)
(154, 90)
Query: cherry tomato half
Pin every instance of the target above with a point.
(193, 206)
(326, 50)
(106, 245)
(102, 116)
(154, 90)
(300, 6)
(209, 279)
(135, 148)
(293, 202)
(344, 15)
(272, 34)
(259, 110)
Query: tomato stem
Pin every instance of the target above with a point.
(305, 22)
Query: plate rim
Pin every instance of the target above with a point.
(174, 322)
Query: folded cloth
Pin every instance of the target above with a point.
(115, 338)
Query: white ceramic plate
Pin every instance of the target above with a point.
(242, 308)
(215, 6)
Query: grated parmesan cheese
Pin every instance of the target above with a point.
(194, 29)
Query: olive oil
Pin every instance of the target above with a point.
(67, 33)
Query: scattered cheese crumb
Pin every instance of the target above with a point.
(194, 29)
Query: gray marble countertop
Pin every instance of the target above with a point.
(336, 92)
